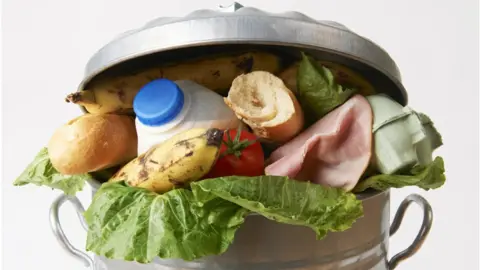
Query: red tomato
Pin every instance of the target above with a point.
(240, 154)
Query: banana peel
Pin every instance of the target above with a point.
(183, 158)
(116, 94)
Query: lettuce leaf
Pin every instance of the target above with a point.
(317, 91)
(41, 172)
(135, 224)
(425, 177)
(284, 200)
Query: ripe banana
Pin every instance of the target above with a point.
(115, 95)
(343, 76)
(184, 158)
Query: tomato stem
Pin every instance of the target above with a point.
(235, 146)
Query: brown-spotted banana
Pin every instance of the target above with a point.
(174, 163)
(116, 94)
(343, 76)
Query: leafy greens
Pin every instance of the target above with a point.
(135, 224)
(281, 199)
(318, 93)
(42, 173)
(425, 177)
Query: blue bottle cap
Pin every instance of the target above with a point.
(158, 102)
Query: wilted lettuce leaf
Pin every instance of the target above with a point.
(318, 93)
(42, 173)
(135, 224)
(323, 209)
(425, 177)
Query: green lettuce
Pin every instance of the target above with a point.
(317, 91)
(427, 177)
(135, 224)
(42, 173)
(281, 199)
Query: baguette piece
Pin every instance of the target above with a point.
(265, 104)
(93, 142)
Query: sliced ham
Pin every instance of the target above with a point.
(335, 151)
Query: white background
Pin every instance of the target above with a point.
(48, 42)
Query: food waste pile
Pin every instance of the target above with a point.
(185, 152)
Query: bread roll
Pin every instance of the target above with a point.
(93, 142)
(264, 103)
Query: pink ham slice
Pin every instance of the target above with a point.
(335, 151)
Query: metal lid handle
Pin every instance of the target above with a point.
(232, 7)
(58, 231)
(422, 234)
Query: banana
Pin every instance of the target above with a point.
(184, 158)
(116, 94)
(343, 76)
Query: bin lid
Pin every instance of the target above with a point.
(206, 31)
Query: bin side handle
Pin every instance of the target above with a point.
(58, 230)
(422, 233)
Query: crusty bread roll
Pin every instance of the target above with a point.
(264, 103)
(93, 142)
